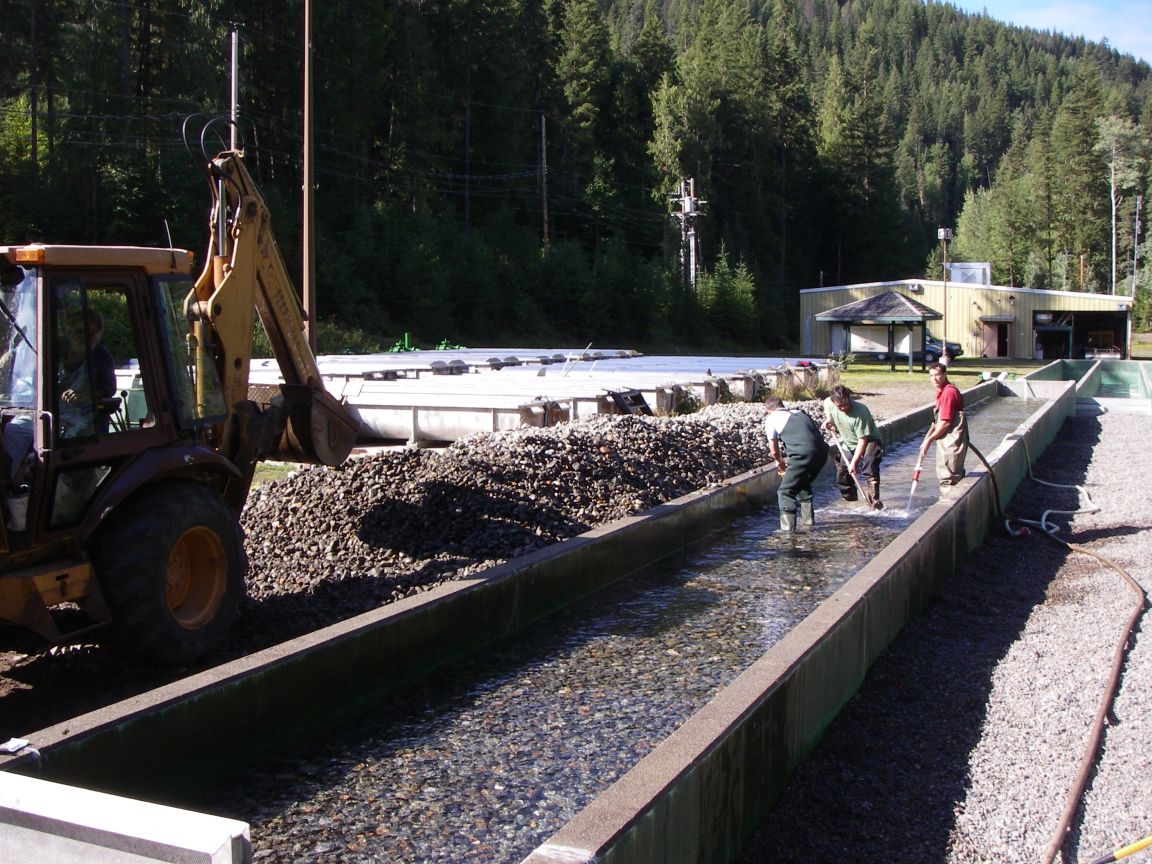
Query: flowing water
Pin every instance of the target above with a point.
(486, 759)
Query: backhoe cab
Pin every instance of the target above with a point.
(129, 438)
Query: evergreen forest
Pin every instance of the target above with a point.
(626, 173)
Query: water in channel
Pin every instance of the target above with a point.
(486, 759)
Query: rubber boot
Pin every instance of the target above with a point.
(805, 521)
(874, 495)
(787, 522)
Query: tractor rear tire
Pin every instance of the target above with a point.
(171, 564)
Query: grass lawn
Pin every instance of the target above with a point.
(268, 471)
(1142, 346)
(865, 375)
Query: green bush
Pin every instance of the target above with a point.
(332, 337)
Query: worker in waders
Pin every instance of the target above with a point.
(858, 463)
(949, 429)
(800, 451)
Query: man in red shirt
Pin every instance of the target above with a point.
(949, 429)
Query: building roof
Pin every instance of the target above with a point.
(891, 307)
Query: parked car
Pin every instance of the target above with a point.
(932, 350)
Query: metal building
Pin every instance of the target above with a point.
(987, 320)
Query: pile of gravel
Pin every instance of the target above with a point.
(969, 731)
(342, 541)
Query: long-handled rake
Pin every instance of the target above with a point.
(915, 480)
(844, 455)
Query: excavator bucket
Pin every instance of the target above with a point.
(319, 429)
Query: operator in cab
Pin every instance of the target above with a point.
(87, 377)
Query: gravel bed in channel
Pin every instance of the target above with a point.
(485, 759)
(969, 731)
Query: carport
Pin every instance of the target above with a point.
(890, 310)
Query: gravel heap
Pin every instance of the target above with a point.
(969, 731)
(398, 522)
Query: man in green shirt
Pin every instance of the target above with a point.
(858, 434)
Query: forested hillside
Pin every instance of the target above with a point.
(496, 171)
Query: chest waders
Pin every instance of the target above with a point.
(806, 453)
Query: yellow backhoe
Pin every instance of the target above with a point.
(122, 477)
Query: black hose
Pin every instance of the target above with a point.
(1012, 532)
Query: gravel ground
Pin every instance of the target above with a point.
(969, 731)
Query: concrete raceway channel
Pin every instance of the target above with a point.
(695, 797)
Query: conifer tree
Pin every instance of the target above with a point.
(1079, 198)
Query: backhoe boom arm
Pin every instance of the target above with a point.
(245, 274)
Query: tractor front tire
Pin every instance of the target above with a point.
(171, 564)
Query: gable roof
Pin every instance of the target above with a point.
(891, 307)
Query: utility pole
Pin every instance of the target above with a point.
(689, 242)
(1115, 201)
(33, 84)
(468, 148)
(943, 235)
(234, 111)
(309, 233)
(544, 177)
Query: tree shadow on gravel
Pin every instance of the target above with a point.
(411, 547)
(466, 521)
(48, 688)
(884, 783)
